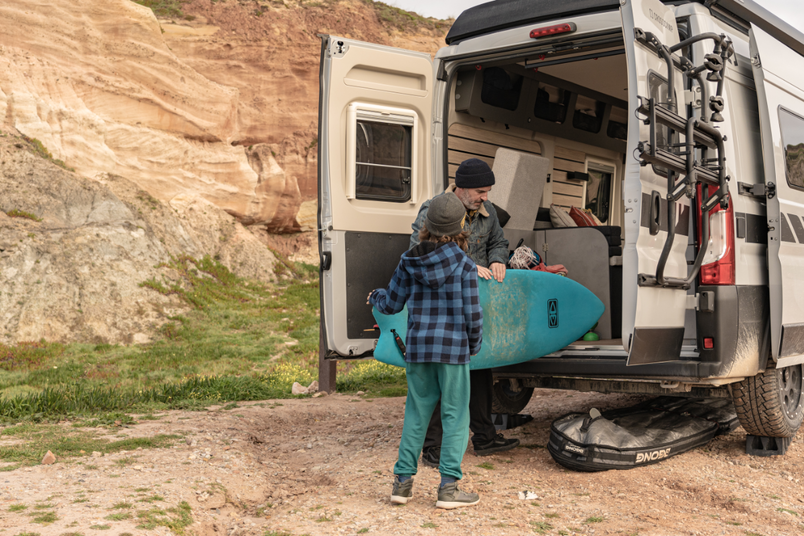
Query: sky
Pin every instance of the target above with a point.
(789, 10)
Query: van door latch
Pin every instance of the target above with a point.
(761, 191)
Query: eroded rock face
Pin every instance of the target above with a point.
(75, 275)
(96, 83)
(181, 106)
(179, 132)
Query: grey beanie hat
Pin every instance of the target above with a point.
(445, 215)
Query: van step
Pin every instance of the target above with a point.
(766, 446)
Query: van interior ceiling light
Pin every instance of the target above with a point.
(547, 31)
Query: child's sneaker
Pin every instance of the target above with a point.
(402, 492)
(449, 497)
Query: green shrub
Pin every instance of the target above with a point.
(14, 213)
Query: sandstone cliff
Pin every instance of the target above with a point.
(190, 133)
(220, 102)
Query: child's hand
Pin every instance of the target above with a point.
(369, 297)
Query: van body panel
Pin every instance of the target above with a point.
(643, 249)
(781, 109)
(518, 37)
(742, 353)
(375, 145)
(497, 16)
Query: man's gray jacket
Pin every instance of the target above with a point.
(487, 243)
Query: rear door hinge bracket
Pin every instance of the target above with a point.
(760, 190)
(693, 97)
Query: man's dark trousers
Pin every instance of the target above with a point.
(481, 382)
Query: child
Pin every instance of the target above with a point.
(445, 325)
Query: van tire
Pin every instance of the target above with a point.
(771, 404)
(507, 401)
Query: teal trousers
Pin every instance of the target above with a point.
(427, 383)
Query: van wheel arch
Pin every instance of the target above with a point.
(771, 404)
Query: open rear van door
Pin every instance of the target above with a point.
(374, 137)
(653, 314)
(779, 81)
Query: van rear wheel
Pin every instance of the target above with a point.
(770, 404)
(509, 397)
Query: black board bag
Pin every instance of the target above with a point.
(638, 435)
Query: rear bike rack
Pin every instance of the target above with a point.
(700, 137)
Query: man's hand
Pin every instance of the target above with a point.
(369, 297)
(497, 271)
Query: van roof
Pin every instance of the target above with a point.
(501, 14)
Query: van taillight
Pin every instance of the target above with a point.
(547, 31)
(718, 266)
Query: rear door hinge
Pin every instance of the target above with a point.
(761, 190)
(693, 97)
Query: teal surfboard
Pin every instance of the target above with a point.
(529, 315)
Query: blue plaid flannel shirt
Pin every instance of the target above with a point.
(445, 320)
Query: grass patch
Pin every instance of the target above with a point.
(486, 465)
(241, 341)
(166, 8)
(39, 149)
(541, 527)
(17, 507)
(118, 517)
(14, 213)
(175, 519)
(594, 520)
(68, 442)
(46, 518)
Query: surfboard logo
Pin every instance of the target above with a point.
(552, 313)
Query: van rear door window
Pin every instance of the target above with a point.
(382, 161)
(792, 127)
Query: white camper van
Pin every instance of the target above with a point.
(678, 124)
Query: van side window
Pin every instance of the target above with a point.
(792, 127)
(382, 154)
(551, 103)
(499, 90)
(598, 192)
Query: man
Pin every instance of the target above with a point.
(488, 248)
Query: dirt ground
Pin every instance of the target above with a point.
(323, 466)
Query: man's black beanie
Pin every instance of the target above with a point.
(474, 173)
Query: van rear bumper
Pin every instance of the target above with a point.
(737, 322)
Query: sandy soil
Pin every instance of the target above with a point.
(323, 466)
